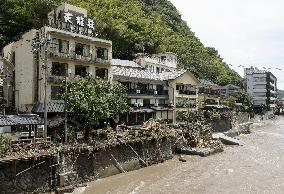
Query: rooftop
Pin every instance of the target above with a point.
(127, 73)
(125, 63)
(17, 120)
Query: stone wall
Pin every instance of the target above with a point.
(225, 124)
(73, 168)
(26, 176)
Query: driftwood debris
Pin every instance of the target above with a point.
(116, 163)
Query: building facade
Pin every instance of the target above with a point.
(229, 90)
(71, 50)
(161, 94)
(262, 85)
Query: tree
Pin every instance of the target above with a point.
(93, 100)
(244, 98)
(231, 102)
(155, 25)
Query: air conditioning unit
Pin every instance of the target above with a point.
(155, 92)
(141, 104)
(138, 91)
(136, 104)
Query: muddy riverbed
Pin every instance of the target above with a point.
(256, 167)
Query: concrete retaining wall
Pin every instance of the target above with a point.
(73, 168)
(225, 124)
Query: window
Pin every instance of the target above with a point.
(102, 53)
(163, 58)
(59, 69)
(59, 45)
(63, 46)
(102, 73)
(157, 70)
(81, 70)
(82, 49)
(1, 91)
(56, 91)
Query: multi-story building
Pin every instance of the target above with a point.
(158, 63)
(71, 49)
(262, 85)
(153, 94)
(229, 90)
(208, 94)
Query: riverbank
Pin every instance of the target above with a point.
(236, 170)
(197, 175)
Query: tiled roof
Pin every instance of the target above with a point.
(124, 73)
(128, 74)
(171, 75)
(208, 83)
(125, 63)
(54, 106)
(14, 120)
(232, 86)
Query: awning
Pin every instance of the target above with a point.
(54, 106)
(18, 120)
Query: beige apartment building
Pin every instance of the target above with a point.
(71, 50)
(156, 89)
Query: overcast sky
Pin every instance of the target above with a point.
(245, 32)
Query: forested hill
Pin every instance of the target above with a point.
(132, 25)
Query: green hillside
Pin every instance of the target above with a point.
(280, 94)
(133, 26)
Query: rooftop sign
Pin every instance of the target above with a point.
(73, 22)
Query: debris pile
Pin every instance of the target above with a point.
(150, 130)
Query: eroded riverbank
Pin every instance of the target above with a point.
(256, 167)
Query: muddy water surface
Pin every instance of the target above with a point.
(256, 167)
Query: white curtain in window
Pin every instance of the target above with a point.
(55, 45)
(86, 50)
(65, 46)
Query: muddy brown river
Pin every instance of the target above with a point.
(256, 167)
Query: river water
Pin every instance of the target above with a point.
(256, 167)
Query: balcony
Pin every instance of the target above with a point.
(260, 83)
(82, 58)
(187, 92)
(55, 79)
(140, 92)
(73, 56)
(102, 61)
(57, 54)
(259, 90)
(209, 92)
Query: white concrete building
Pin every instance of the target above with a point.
(158, 63)
(72, 50)
(262, 85)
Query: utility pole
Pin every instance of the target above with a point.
(40, 45)
(65, 104)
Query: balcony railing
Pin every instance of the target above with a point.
(55, 79)
(147, 92)
(187, 92)
(210, 92)
(82, 57)
(89, 58)
(52, 53)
